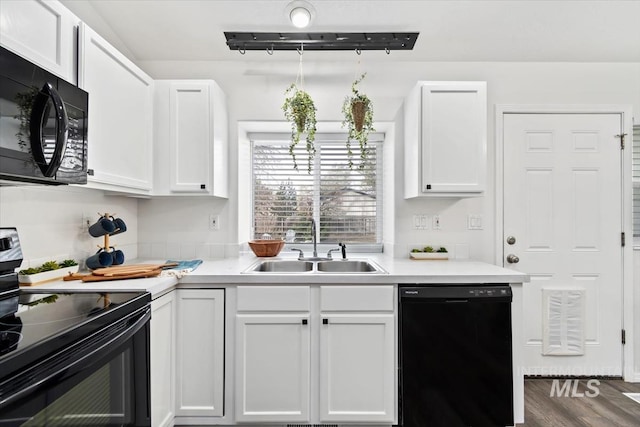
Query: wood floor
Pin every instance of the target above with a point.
(610, 408)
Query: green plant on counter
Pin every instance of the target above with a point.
(49, 266)
(300, 110)
(68, 263)
(357, 111)
(429, 249)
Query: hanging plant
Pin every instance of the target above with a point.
(300, 110)
(357, 110)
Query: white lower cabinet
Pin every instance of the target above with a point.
(357, 368)
(163, 344)
(310, 354)
(272, 363)
(199, 353)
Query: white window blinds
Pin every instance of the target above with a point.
(345, 203)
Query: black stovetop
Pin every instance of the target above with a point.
(34, 325)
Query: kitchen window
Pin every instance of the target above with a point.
(636, 184)
(345, 203)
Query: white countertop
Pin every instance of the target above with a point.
(228, 271)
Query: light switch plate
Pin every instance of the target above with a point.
(420, 222)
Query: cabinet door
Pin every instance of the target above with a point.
(453, 137)
(120, 116)
(200, 352)
(163, 344)
(190, 134)
(357, 368)
(43, 32)
(190, 139)
(272, 368)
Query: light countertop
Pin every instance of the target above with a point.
(229, 272)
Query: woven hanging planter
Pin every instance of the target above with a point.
(358, 111)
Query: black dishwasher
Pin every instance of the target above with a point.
(455, 356)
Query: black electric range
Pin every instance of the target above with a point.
(52, 343)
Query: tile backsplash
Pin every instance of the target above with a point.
(51, 221)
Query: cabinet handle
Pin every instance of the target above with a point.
(203, 186)
(325, 321)
(304, 321)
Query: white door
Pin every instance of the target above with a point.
(563, 224)
(272, 368)
(356, 368)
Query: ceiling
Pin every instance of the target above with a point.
(476, 30)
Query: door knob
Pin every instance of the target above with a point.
(512, 259)
(511, 240)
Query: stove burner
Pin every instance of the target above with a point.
(9, 340)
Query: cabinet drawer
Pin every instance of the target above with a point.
(273, 298)
(356, 298)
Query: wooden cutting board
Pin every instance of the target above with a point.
(122, 272)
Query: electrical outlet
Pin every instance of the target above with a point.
(87, 220)
(437, 223)
(214, 222)
(474, 222)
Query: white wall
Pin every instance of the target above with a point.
(255, 92)
(50, 221)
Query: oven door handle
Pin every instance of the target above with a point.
(69, 362)
(39, 116)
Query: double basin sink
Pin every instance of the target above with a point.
(321, 267)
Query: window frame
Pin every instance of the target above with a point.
(323, 138)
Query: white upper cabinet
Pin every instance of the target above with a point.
(191, 129)
(446, 139)
(42, 31)
(120, 117)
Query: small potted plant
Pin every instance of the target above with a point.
(428, 252)
(50, 270)
(357, 110)
(300, 110)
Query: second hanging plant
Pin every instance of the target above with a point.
(357, 110)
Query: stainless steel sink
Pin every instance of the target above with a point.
(282, 266)
(346, 267)
(319, 267)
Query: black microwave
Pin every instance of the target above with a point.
(43, 125)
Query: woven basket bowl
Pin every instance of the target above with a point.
(265, 248)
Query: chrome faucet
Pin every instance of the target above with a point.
(313, 238)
